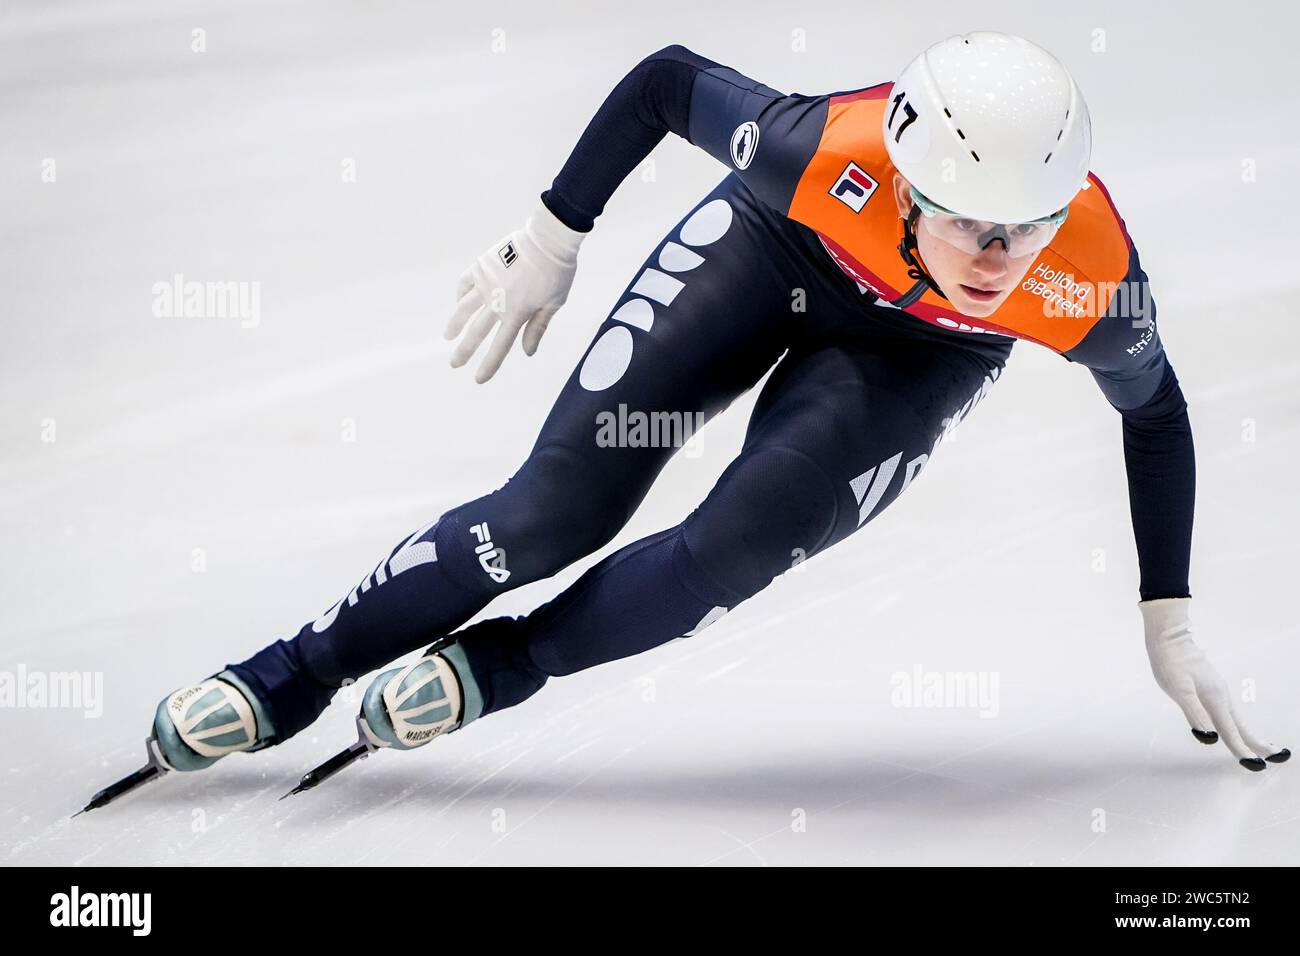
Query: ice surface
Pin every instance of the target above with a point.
(181, 434)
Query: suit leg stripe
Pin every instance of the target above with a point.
(877, 490)
(658, 286)
(861, 484)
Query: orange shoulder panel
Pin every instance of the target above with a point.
(846, 195)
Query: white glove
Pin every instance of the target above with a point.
(1183, 673)
(520, 282)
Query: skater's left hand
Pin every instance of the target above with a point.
(1183, 672)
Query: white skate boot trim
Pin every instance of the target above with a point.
(423, 700)
(213, 718)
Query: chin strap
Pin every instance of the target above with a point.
(907, 248)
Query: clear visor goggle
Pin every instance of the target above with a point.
(973, 236)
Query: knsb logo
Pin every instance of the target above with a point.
(854, 187)
(103, 909)
(744, 143)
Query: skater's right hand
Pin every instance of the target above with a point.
(518, 283)
(1183, 672)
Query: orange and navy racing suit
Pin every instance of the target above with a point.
(793, 261)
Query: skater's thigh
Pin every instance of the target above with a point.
(870, 415)
(837, 435)
(703, 318)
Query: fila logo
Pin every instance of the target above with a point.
(854, 187)
(508, 254)
(490, 558)
(744, 142)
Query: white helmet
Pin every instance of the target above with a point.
(990, 126)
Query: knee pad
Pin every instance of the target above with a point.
(772, 508)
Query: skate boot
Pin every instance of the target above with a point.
(196, 726)
(407, 707)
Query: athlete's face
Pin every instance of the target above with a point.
(976, 285)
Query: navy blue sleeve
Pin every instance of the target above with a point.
(1128, 361)
(767, 137)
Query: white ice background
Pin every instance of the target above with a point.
(181, 434)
